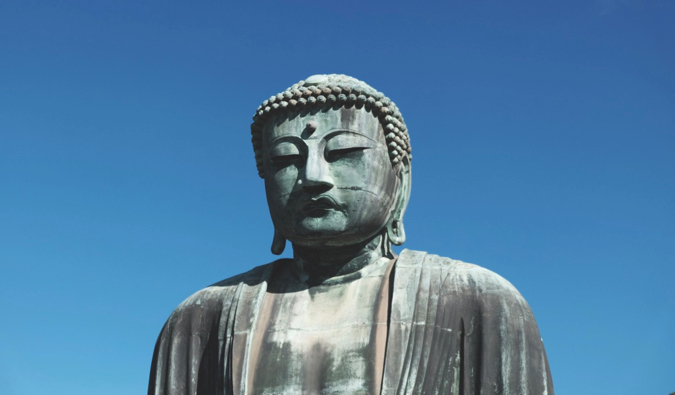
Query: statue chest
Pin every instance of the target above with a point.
(323, 339)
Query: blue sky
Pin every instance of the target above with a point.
(542, 135)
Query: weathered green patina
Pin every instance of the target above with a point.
(345, 315)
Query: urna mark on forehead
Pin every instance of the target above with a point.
(334, 91)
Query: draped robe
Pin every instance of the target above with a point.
(454, 328)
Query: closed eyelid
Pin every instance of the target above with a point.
(349, 141)
(286, 145)
(284, 149)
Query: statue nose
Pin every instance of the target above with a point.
(316, 173)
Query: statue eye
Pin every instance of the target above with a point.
(346, 145)
(333, 155)
(284, 154)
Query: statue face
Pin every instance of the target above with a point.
(328, 177)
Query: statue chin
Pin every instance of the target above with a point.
(333, 238)
(332, 230)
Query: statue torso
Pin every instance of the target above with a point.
(326, 338)
(453, 328)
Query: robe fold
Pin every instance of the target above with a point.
(454, 328)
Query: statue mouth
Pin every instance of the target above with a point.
(320, 206)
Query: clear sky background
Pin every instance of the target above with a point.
(543, 137)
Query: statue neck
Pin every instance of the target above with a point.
(328, 262)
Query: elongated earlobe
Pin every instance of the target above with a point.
(394, 226)
(278, 243)
(396, 232)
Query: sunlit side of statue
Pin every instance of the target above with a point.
(346, 315)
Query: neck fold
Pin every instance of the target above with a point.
(328, 262)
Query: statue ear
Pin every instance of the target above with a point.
(395, 229)
(278, 243)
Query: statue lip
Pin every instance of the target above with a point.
(321, 204)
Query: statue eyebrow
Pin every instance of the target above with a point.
(329, 135)
(336, 132)
(288, 138)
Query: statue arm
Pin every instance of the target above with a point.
(193, 352)
(187, 359)
(504, 352)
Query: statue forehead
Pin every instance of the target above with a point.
(333, 91)
(348, 119)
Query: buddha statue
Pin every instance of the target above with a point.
(346, 315)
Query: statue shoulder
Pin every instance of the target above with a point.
(464, 279)
(212, 300)
(500, 337)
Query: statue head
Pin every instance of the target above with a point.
(335, 157)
